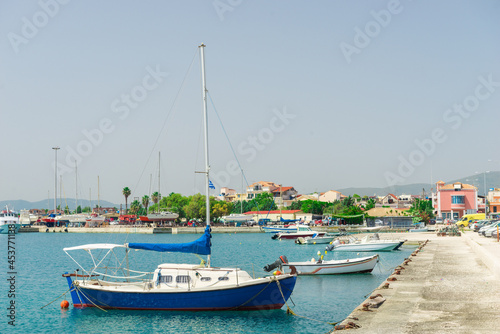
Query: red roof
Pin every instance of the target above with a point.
(277, 190)
(270, 212)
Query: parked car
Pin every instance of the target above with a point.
(478, 224)
(489, 231)
(482, 230)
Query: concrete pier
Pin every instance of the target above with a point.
(450, 286)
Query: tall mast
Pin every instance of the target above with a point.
(76, 181)
(98, 198)
(159, 195)
(205, 121)
(60, 192)
(55, 180)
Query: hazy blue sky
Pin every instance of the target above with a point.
(316, 95)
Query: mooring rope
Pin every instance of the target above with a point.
(89, 299)
(65, 292)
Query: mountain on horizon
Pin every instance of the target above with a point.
(49, 204)
(478, 180)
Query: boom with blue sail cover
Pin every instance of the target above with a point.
(200, 246)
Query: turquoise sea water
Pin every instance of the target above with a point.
(40, 262)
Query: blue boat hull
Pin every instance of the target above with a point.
(262, 296)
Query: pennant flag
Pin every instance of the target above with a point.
(211, 185)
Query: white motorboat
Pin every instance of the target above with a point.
(9, 222)
(370, 243)
(334, 267)
(314, 240)
(302, 231)
(280, 228)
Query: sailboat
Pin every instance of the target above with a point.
(160, 216)
(186, 287)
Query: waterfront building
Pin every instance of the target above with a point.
(452, 201)
(494, 201)
(391, 217)
(330, 196)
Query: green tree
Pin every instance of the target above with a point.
(145, 202)
(347, 202)
(422, 210)
(195, 207)
(135, 206)
(219, 209)
(370, 204)
(155, 197)
(79, 209)
(126, 192)
(264, 202)
(175, 202)
(296, 205)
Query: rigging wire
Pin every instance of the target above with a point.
(232, 149)
(174, 103)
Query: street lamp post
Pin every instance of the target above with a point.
(55, 179)
(485, 194)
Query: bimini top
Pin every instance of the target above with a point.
(200, 246)
(93, 246)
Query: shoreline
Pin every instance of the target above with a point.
(180, 230)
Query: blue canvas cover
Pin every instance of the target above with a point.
(200, 246)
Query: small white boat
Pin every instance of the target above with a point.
(302, 231)
(370, 243)
(280, 228)
(163, 216)
(334, 267)
(236, 218)
(314, 240)
(9, 222)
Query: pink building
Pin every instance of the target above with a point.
(452, 201)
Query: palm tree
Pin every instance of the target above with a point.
(135, 206)
(145, 202)
(155, 197)
(126, 192)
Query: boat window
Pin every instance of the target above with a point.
(183, 279)
(224, 278)
(206, 279)
(166, 279)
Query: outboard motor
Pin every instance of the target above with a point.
(332, 245)
(275, 236)
(276, 264)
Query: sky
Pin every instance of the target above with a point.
(315, 95)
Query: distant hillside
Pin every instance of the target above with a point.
(492, 181)
(71, 202)
(408, 189)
